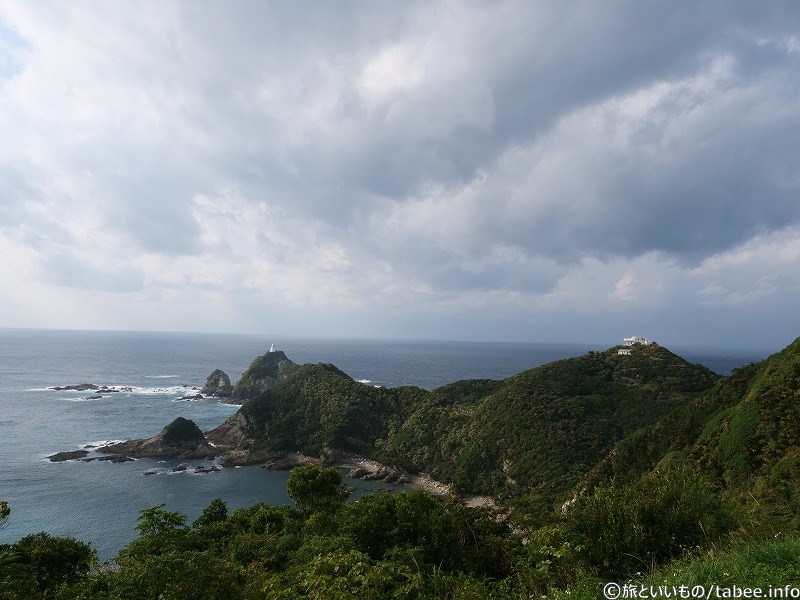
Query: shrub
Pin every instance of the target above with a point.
(626, 529)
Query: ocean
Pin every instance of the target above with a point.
(99, 502)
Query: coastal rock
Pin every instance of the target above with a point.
(180, 439)
(217, 384)
(205, 470)
(232, 433)
(117, 458)
(232, 441)
(62, 456)
(243, 458)
(358, 473)
(285, 462)
(370, 471)
(80, 387)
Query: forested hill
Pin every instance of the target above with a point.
(540, 430)
(743, 434)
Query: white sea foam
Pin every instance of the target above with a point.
(182, 399)
(160, 376)
(364, 380)
(110, 390)
(101, 443)
(159, 391)
(85, 399)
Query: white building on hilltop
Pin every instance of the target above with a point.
(272, 347)
(637, 340)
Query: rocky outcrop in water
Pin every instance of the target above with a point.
(180, 439)
(62, 456)
(217, 384)
(80, 387)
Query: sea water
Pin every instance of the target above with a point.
(99, 502)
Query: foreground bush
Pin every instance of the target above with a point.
(629, 529)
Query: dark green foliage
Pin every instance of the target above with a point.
(182, 430)
(159, 531)
(624, 529)
(754, 434)
(542, 429)
(216, 512)
(641, 451)
(314, 489)
(5, 511)
(263, 373)
(539, 431)
(434, 548)
(319, 407)
(39, 564)
(379, 523)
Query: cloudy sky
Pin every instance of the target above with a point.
(541, 170)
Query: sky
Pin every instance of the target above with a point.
(540, 171)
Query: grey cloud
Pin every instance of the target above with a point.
(290, 105)
(65, 269)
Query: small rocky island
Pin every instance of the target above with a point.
(180, 439)
(218, 384)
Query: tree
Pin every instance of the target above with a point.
(315, 489)
(216, 512)
(41, 562)
(4, 511)
(159, 531)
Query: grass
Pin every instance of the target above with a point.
(769, 563)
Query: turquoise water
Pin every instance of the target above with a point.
(99, 501)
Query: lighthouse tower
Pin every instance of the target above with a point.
(272, 347)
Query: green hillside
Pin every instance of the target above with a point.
(753, 446)
(671, 437)
(265, 372)
(317, 408)
(538, 431)
(743, 434)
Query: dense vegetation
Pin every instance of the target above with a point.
(182, 430)
(703, 493)
(538, 431)
(263, 373)
(411, 545)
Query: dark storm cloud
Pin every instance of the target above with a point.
(701, 173)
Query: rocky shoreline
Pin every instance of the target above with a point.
(363, 469)
(230, 444)
(358, 467)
